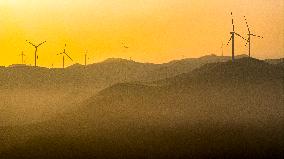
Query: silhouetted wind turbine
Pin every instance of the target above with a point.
(233, 33)
(126, 68)
(86, 57)
(35, 46)
(63, 56)
(222, 48)
(249, 36)
(22, 55)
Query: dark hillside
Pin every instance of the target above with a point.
(241, 72)
(221, 110)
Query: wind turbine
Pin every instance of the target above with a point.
(249, 36)
(36, 47)
(22, 54)
(126, 68)
(63, 56)
(222, 48)
(86, 58)
(233, 33)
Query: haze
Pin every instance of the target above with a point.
(155, 31)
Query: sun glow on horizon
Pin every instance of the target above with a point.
(154, 30)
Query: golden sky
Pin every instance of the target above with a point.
(155, 30)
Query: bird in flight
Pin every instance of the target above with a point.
(125, 46)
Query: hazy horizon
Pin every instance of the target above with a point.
(133, 60)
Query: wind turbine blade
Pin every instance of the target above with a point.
(247, 24)
(257, 36)
(68, 56)
(222, 46)
(233, 21)
(30, 43)
(41, 43)
(241, 36)
(229, 41)
(64, 49)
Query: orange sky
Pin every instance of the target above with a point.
(155, 30)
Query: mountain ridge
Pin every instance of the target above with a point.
(99, 75)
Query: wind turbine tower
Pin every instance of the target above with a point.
(36, 47)
(86, 58)
(126, 68)
(63, 56)
(249, 36)
(233, 33)
(222, 48)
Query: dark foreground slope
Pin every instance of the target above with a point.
(221, 110)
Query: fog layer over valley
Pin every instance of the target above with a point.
(216, 109)
(30, 95)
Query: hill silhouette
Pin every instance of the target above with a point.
(220, 110)
(275, 61)
(242, 71)
(99, 75)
